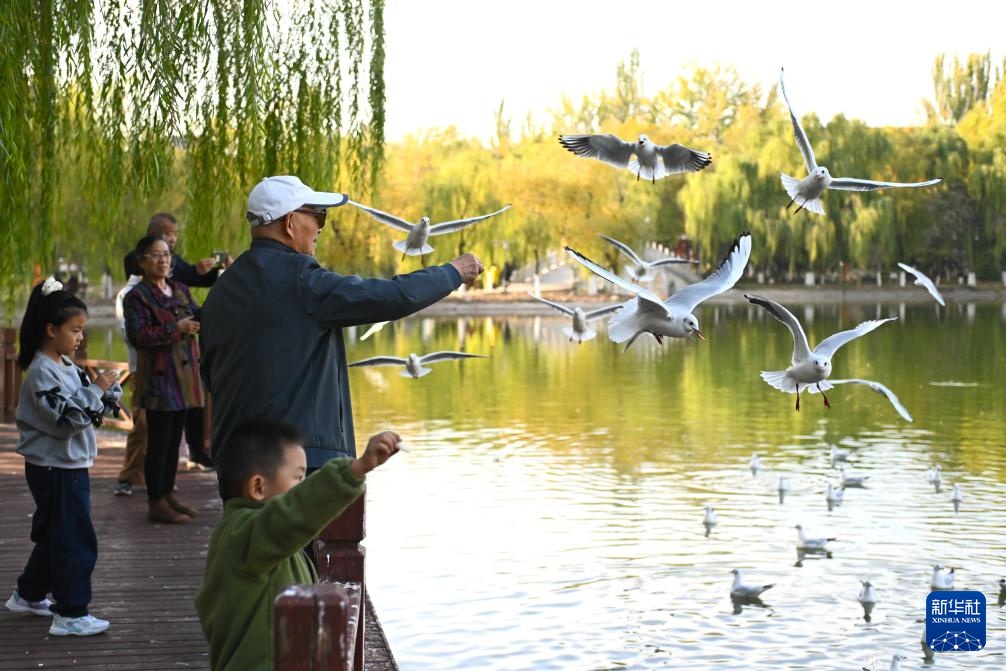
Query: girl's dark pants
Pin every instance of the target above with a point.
(66, 547)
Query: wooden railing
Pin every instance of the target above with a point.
(321, 627)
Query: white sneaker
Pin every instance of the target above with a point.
(86, 625)
(17, 604)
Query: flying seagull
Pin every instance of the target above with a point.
(878, 388)
(672, 318)
(652, 162)
(810, 368)
(741, 591)
(641, 271)
(415, 365)
(922, 281)
(374, 328)
(579, 331)
(807, 192)
(415, 244)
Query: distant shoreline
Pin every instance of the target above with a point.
(516, 303)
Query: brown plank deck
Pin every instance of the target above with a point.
(144, 583)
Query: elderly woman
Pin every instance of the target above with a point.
(161, 323)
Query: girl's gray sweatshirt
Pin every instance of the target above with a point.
(57, 412)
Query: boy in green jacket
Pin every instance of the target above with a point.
(256, 550)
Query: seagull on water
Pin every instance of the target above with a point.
(783, 487)
(942, 580)
(672, 318)
(414, 364)
(867, 599)
(652, 161)
(881, 389)
(415, 244)
(709, 519)
(641, 271)
(807, 192)
(810, 368)
(922, 281)
(834, 495)
(867, 595)
(852, 480)
(927, 652)
(895, 663)
(579, 331)
(957, 497)
(838, 455)
(742, 591)
(804, 543)
(935, 477)
(755, 464)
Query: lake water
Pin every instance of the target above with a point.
(549, 514)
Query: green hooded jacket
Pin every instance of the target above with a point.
(255, 553)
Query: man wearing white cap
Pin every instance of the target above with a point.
(271, 327)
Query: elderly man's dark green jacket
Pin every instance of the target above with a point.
(272, 345)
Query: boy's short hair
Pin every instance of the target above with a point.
(255, 447)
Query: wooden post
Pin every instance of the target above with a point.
(10, 383)
(341, 558)
(316, 628)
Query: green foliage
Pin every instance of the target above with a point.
(118, 109)
(558, 198)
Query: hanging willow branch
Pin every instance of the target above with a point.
(116, 109)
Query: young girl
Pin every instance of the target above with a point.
(56, 415)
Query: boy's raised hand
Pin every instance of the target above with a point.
(380, 448)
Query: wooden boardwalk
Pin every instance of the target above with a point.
(144, 583)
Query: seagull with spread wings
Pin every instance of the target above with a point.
(415, 243)
(810, 368)
(672, 318)
(579, 331)
(415, 366)
(652, 161)
(922, 281)
(642, 270)
(807, 192)
(881, 389)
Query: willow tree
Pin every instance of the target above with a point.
(115, 109)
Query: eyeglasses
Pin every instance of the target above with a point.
(157, 256)
(318, 214)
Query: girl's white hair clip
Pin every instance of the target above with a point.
(51, 284)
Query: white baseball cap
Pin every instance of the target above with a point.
(274, 197)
